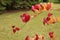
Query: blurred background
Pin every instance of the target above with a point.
(20, 4)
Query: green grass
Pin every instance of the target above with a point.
(34, 26)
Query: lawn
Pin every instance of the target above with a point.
(34, 26)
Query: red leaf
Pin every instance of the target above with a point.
(42, 37)
(13, 26)
(48, 6)
(37, 37)
(51, 34)
(44, 21)
(33, 9)
(50, 14)
(14, 31)
(48, 18)
(27, 38)
(25, 17)
(17, 28)
(36, 6)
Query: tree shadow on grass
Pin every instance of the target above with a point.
(12, 11)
